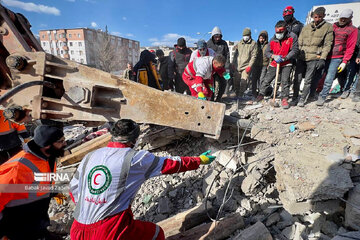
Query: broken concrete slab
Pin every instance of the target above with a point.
(352, 211)
(347, 236)
(304, 175)
(306, 126)
(227, 158)
(351, 132)
(258, 231)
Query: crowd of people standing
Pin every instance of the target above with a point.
(318, 53)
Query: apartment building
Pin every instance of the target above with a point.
(82, 45)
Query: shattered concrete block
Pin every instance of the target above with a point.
(307, 176)
(258, 231)
(348, 236)
(224, 156)
(272, 219)
(164, 205)
(352, 214)
(306, 126)
(329, 228)
(289, 232)
(250, 185)
(351, 132)
(300, 232)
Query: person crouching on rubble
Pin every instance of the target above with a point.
(107, 180)
(198, 75)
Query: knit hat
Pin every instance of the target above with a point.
(45, 135)
(216, 31)
(319, 11)
(201, 44)
(346, 13)
(159, 53)
(181, 42)
(247, 32)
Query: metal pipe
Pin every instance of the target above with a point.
(21, 87)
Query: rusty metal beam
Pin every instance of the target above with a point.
(90, 95)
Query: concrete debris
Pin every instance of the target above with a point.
(227, 158)
(347, 236)
(258, 231)
(306, 126)
(352, 211)
(329, 228)
(300, 178)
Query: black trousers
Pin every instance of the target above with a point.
(284, 79)
(180, 85)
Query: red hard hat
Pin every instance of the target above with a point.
(289, 10)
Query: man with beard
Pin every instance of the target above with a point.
(179, 58)
(202, 51)
(220, 47)
(292, 25)
(345, 37)
(262, 61)
(24, 214)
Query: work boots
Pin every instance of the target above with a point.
(301, 103)
(284, 103)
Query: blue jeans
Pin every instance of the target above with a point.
(330, 76)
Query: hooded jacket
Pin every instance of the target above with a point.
(220, 47)
(315, 41)
(145, 70)
(262, 59)
(245, 54)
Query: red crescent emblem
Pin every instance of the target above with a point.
(95, 178)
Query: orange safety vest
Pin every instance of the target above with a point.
(20, 169)
(7, 127)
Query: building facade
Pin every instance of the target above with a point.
(83, 45)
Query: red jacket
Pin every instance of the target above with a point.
(287, 47)
(344, 41)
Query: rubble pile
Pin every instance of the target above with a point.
(295, 176)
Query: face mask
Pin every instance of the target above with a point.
(246, 38)
(279, 35)
(202, 52)
(288, 18)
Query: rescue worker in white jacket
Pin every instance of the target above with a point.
(107, 181)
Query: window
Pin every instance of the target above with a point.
(44, 44)
(130, 44)
(43, 36)
(64, 35)
(64, 44)
(59, 36)
(79, 35)
(80, 44)
(82, 60)
(60, 44)
(80, 53)
(62, 52)
(72, 51)
(70, 35)
(71, 44)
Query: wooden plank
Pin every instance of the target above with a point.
(212, 231)
(185, 220)
(78, 153)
